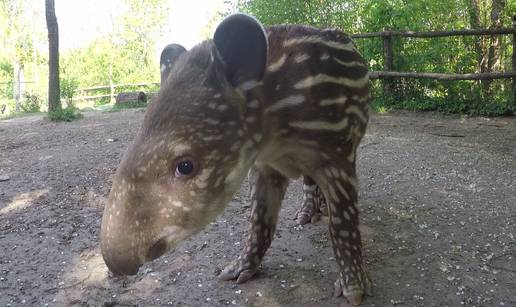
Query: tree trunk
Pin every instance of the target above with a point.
(111, 83)
(16, 85)
(54, 99)
(474, 20)
(495, 50)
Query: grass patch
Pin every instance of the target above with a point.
(127, 105)
(494, 108)
(67, 114)
(20, 114)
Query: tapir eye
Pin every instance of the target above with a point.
(184, 168)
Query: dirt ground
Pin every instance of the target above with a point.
(438, 203)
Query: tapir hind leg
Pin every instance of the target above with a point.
(314, 203)
(267, 190)
(339, 185)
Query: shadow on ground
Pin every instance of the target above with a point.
(438, 203)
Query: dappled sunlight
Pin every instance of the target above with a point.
(87, 269)
(23, 201)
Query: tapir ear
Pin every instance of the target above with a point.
(241, 43)
(169, 56)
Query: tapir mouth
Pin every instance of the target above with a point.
(157, 249)
(121, 267)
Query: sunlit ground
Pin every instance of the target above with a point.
(23, 201)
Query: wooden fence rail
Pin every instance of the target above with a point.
(465, 32)
(388, 74)
(112, 95)
(107, 87)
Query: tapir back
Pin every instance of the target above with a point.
(315, 92)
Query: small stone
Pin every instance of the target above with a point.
(258, 293)
(4, 178)
(233, 302)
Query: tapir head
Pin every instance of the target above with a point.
(191, 155)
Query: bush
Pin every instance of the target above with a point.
(128, 105)
(69, 87)
(458, 97)
(31, 103)
(65, 115)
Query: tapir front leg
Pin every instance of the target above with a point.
(267, 190)
(339, 185)
(314, 203)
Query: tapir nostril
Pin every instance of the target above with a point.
(158, 249)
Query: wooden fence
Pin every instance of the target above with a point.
(388, 74)
(84, 92)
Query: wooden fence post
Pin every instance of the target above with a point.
(387, 61)
(514, 59)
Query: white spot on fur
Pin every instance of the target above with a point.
(211, 121)
(218, 182)
(332, 101)
(342, 190)
(322, 78)
(290, 101)
(180, 149)
(212, 138)
(361, 99)
(301, 58)
(278, 64)
(349, 64)
(254, 104)
(313, 39)
(249, 85)
(222, 107)
(257, 137)
(356, 111)
(321, 125)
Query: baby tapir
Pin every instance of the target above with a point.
(283, 102)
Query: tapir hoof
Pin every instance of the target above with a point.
(354, 293)
(238, 270)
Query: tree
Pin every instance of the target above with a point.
(17, 39)
(54, 98)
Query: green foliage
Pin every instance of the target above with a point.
(455, 100)
(69, 87)
(31, 103)
(439, 55)
(67, 114)
(102, 101)
(126, 54)
(128, 105)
